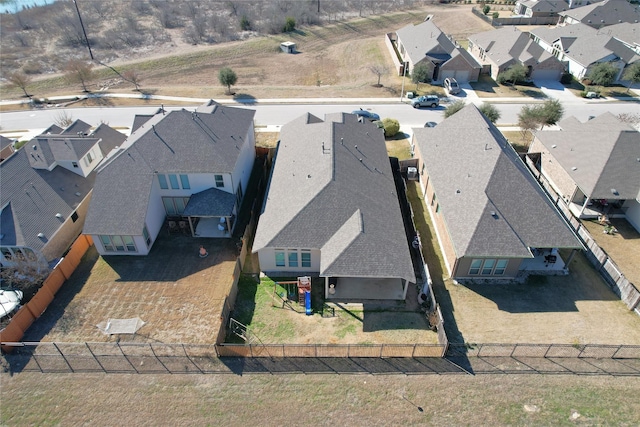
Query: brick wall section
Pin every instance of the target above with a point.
(557, 175)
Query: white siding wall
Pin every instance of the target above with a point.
(633, 213)
(267, 260)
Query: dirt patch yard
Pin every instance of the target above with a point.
(575, 309)
(178, 295)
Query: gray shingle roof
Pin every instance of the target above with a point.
(508, 45)
(332, 189)
(604, 153)
(476, 174)
(427, 40)
(177, 142)
(584, 44)
(32, 198)
(546, 5)
(210, 202)
(607, 12)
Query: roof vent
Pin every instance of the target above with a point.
(554, 146)
(41, 235)
(35, 147)
(614, 192)
(78, 194)
(494, 214)
(574, 168)
(59, 215)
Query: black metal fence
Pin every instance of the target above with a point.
(160, 358)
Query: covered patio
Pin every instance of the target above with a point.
(211, 213)
(364, 288)
(545, 261)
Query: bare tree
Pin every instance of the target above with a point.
(63, 119)
(80, 72)
(133, 77)
(379, 70)
(22, 39)
(19, 80)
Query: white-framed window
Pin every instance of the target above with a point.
(173, 179)
(305, 257)
(162, 180)
(488, 267)
(118, 243)
(475, 267)
(501, 266)
(184, 181)
(280, 261)
(147, 236)
(292, 257)
(174, 205)
(219, 181)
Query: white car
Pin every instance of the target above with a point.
(451, 86)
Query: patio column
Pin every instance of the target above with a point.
(228, 224)
(405, 286)
(326, 287)
(584, 206)
(571, 255)
(193, 233)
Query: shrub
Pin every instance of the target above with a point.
(289, 25)
(486, 9)
(495, 15)
(391, 127)
(566, 78)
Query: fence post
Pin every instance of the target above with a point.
(94, 357)
(65, 359)
(127, 359)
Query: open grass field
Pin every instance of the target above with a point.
(574, 309)
(322, 400)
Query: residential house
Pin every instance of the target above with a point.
(601, 14)
(427, 44)
(500, 49)
(45, 191)
(594, 166)
(183, 171)
(581, 47)
(6, 147)
(492, 219)
(540, 8)
(332, 210)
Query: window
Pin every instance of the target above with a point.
(89, 157)
(293, 258)
(475, 266)
(174, 205)
(184, 180)
(162, 180)
(487, 268)
(74, 216)
(305, 257)
(219, 181)
(280, 258)
(147, 237)
(501, 266)
(118, 243)
(437, 207)
(433, 199)
(173, 179)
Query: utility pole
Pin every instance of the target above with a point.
(83, 30)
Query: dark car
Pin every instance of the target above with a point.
(366, 115)
(430, 124)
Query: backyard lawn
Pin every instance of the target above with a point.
(273, 315)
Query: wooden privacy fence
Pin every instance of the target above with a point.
(32, 310)
(610, 272)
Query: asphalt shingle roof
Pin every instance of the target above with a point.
(332, 189)
(492, 205)
(607, 12)
(604, 153)
(508, 45)
(176, 142)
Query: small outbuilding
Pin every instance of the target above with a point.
(288, 47)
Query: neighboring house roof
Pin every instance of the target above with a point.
(508, 45)
(5, 142)
(586, 45)
(140, 119)
(30, 200)
(627, 33)
(542, 6)
(600, 155)
(426, 40)
(176, 142)
(607, 12)
(492, 205)
(332, 189)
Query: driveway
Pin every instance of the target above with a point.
(176, 293)
(556, 90)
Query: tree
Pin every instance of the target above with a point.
(19, 80)
(391, 127)
(132, 76)
(79, 71)
(632, 73)
(227, 77)
(486, 9)
(379, 70)
(514, 74)
(490, 111)
(245, 24)
(289, 25)
(420, 74)
(527, 120)
(551, 112)
(63, 119)
(454, 107)
(603, 74)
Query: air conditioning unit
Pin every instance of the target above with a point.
(412, 174)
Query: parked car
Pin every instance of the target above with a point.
(366, 115)
(425, 101)
(430, 124)
(451, 86)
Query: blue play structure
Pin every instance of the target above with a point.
(307, 303)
